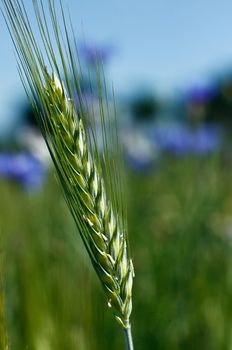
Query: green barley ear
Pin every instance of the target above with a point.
(92, 180)
(86, 196)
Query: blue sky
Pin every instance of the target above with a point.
(163, 43)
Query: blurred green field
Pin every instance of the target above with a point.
(180, 221)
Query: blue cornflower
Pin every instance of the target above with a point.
(94, 53)
(173, 138)
(205, 139)
(180, 139)
(201, 94)
(24, 168)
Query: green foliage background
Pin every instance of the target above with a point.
(180, 223)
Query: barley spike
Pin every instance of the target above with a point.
(103, 233)
(92, 186)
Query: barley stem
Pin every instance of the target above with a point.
(128, 338)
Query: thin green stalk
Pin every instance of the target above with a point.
(128, 338)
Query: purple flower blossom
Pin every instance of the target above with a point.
(173, 138)
(200, 94)
(205, 139)
(180, 139)
(94, 54)
(23, 168)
